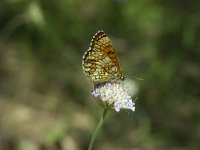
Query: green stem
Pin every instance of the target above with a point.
(97, 129)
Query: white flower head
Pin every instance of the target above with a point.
(114, 95)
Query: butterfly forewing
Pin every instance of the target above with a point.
(100, 62)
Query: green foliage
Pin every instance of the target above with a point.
(41, 48)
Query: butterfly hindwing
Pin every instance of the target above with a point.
(100, 61)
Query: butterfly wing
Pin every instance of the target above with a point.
(100, 61)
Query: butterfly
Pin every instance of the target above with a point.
(100, 62)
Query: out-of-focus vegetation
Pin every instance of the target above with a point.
(45, 101)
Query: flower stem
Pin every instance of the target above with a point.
(97, 129)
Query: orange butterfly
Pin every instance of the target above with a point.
(100, 62)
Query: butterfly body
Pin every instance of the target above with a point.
(100, 62)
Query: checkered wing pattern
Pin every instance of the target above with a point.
(100, 62)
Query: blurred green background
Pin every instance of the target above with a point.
(45, 100)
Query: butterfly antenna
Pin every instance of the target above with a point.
(141, 79)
